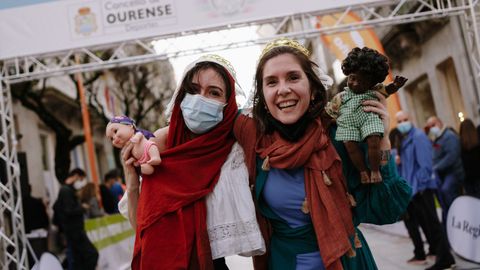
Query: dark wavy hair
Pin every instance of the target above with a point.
(368, 62)
(260, 112)
(187, 85)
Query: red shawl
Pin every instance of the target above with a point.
(171, 213)
(327, 198)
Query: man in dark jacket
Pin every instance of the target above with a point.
(447, 162)
(69, 215)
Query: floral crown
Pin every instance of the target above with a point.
(285, 42)
(220, 60)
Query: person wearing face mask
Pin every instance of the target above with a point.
(68, 215)
(416, 167)
(447, 162)
(196, 207)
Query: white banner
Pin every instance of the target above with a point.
(463, 227)
(52, 25)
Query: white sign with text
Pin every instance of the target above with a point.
(51, 26)
(463, 227)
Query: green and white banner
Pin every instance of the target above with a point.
(114, 238)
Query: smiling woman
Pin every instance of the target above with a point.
(296, 174)
(286, 89)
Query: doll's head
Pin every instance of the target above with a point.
(364, 68)
(119, 130)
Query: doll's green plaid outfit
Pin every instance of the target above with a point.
(354, 124)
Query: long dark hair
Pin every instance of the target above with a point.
(260, 112)
(468, 134)
(187, 85)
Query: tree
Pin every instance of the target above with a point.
(143, 92)
(142, 89)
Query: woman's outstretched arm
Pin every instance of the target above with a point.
(132, 181)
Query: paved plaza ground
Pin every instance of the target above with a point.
(390, 246)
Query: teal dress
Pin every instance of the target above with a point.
(379, 204)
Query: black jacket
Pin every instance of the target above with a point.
(67, 210)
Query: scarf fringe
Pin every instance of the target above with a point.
(326, 179)
(266, 164)
(352, 201)
(351, 253)
(357, 242)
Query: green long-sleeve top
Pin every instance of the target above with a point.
(381, 203)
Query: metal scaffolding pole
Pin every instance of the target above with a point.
(381, 13)
(12, 229)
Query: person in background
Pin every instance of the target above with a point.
(109, 199)
(81, 253)
(470, 157)
(447, 163)
(116, 187)
(416, 167)
(395, 138)
(89, 201)
(36, 223)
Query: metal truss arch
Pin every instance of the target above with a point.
(380, 13)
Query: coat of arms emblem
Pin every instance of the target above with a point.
(85, 21)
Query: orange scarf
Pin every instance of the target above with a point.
(324, 182)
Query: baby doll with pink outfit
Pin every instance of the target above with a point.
(121, 129)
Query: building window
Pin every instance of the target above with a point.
(420, 97)
(449, 82)
(44, 146)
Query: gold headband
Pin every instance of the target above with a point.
(220, 60)
(285, 42)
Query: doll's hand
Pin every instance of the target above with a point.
(399, 81)
(137, 137)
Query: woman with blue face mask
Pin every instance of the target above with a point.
(196, 206)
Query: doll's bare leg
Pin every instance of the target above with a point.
(356, 156)
(373, 142)
(146, 168)
(154, 156)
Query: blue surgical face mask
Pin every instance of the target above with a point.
(200, 113)
(404, 127)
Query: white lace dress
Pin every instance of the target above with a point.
(231, 222)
